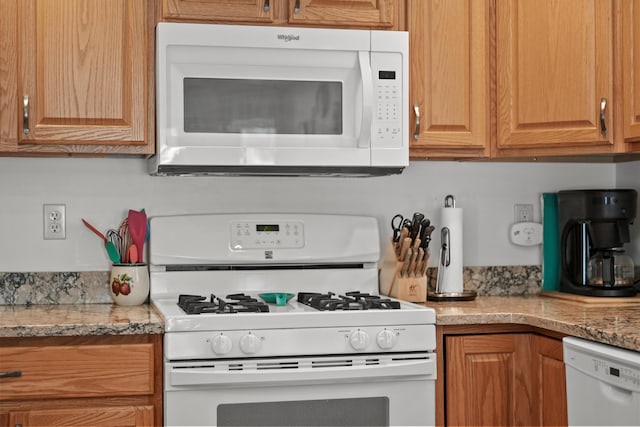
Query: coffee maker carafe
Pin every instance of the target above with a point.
(594, 226)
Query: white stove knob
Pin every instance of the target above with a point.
(221, 344)
(386, 339)
(249, 343)
(359, 340)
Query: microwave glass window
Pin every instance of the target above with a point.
(236, 106)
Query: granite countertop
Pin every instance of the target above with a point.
(78, 319)
(617, 325)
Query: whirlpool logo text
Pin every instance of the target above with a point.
(289, 37)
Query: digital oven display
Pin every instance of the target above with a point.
(265, 228)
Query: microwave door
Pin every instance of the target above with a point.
(295, 108)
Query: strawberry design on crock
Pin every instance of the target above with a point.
(122, 284)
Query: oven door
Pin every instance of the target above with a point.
(371, 390)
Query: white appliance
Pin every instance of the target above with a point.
(336, 353)
(280, 100)
(603, 384)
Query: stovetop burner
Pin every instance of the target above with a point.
(237, 303)
(243, 303)
(350, 301)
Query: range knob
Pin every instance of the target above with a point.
(359, 340)
(221, 344)
(386, 339)
(249, 343)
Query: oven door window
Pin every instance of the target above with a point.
(369, 411)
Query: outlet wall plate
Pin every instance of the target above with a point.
(526, 233)
(54, 222)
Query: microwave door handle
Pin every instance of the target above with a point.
(364, 140)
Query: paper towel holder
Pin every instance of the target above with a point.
(444, 261)
(449, 201)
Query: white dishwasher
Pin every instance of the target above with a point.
(603, 384)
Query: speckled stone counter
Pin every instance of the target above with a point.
(78, 320)
(609, 324)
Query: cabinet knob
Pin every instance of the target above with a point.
(416, 132)
(25, 114)
(266, 6)
(296, 8)
(603, 125)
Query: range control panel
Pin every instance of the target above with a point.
(266, 235)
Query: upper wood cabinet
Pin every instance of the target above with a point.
(252, 11)
(449, 52)
(629, 44)
(382, 14)
(83, 78)
(554, 77)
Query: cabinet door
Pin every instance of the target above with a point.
(449, 42)
(8, 68)
(82, 75)
(345, 13)
(84, 416)
(487, 380)
(630, 26)
(554, 70)
(549, 383)
(256, 11)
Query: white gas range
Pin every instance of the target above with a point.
(325, 350)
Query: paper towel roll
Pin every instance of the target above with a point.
(451, 279)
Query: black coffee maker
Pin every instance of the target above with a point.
(594, 226)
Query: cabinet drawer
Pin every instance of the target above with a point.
(124, 416)
(77, 371)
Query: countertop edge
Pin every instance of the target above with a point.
(614, 325)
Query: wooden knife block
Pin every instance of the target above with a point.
(393, 284)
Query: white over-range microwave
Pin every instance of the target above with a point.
(258, 100)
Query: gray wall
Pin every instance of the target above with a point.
(102, 191)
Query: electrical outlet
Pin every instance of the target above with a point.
(523, 213)
(55, 219)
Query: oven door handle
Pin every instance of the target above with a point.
(184, 376)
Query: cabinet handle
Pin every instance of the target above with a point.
(296, 8)
(603, 107)
(416, 132)
(266, 6)
(25, 115)
(9, 374)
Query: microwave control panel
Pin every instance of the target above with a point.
(267, 235)
(387, 98)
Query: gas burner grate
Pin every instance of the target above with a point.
(235, 303)
(350, 301)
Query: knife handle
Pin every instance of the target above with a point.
(405, 263)
(404, 248)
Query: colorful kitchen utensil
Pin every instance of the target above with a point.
(277, 298)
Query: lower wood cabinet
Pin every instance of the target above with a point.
(80, 381)
(515, 377)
